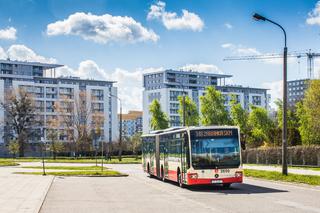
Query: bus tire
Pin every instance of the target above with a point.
(179, 178)
(162, 174)
(148, 171)
(226, 185)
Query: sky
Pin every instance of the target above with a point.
(120, 40)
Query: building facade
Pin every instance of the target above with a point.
(167, 85)
(131, 123)
(38, 79)
(296, 91)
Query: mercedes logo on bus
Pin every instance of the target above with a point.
(216, 175)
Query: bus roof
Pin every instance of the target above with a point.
(180, 129)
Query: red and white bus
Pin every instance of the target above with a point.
(194, 155)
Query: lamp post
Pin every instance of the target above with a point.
(284, 109)
(43, 150)
(120, 127)
(183, 103)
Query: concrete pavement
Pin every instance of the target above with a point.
(22, 193)
(138, 193)
(299, 171)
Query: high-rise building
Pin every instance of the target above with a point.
(47, 90)
(131, 123)
(296, 90)
(167, 85)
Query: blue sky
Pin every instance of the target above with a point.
(194, 34)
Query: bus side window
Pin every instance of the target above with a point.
(186, 148)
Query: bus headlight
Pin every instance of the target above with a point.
(238, 174)
(193, 176)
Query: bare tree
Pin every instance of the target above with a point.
(56, 146)
(19, 109)
(79, 120)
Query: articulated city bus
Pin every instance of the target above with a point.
(194, 155)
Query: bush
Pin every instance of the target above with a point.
(297, 155)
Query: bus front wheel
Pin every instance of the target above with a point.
(162, 174)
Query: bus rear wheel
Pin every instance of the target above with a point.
(180, 183)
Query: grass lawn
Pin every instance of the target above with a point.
(277, 176)
(112, 161)
(8, 163)
(106, 173)
(21, 159)
(292, 167)
(66, 167)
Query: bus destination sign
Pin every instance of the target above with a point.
(215, 133)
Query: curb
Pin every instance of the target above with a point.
(45, 196)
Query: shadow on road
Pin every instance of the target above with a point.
(235, 189)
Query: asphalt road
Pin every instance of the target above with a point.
(139, 193)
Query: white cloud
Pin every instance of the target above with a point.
(102, 29)
(23, 53)
(314, 15)
(188, 20)
(201, 68)
(228, 26)
(3, 54)
(240, 49)
(275, 90)
(8, 34)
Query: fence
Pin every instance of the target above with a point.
(297, 155)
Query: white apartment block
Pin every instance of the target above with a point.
(48, 91)
(167, 85)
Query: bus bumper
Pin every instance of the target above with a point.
(210, 181)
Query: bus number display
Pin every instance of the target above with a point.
(213, 133)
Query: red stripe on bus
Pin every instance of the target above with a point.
(199, 181)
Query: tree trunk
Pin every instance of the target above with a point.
(21, 147)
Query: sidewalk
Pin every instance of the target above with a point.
(278, 169)
(22, 193)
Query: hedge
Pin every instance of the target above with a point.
(297, 155)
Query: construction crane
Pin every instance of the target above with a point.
(309, 55)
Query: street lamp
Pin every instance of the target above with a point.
(183, 103)
(258, 17)
(120, 129)
(43, 149)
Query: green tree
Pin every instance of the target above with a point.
(136, 142)
(292, 124)
(159, 119)
(13, 147)
(308, 113)
(212, 108)
(262, 127)
(192, 114)
(239, 117)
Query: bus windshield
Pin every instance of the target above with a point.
(215, 148)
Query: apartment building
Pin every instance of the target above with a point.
(131, 123)
(47, 90)
(167, 85)
(296, 90)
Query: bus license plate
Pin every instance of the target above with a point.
(216, 181)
